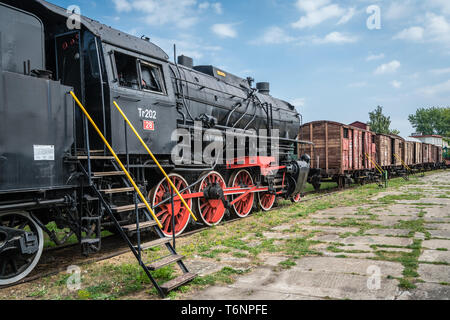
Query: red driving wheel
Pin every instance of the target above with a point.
(296, 198)
(164, 212)
(211, 211)
(266, 200)
(244, 206)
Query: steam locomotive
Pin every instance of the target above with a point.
(54, 168)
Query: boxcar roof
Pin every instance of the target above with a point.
(336, 123)
(111, 35)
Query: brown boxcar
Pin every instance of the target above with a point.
(338, 148)
(418, 153)
(436, 155)
(426, 153)
(408, 153)
(383, 150)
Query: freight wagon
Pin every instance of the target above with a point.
(341, 153)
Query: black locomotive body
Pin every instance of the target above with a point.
(55, 168)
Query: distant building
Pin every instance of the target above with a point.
(360, 125)
(431, 139)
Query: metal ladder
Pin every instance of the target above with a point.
(145, 217)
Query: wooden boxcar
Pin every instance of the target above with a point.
(426, 154)
(418, 154)
(389, 150)
(408, 153)
(436, 155)
(338, 149)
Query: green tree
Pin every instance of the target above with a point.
(431, 121)
(380, 123)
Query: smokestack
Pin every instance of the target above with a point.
(263, 87)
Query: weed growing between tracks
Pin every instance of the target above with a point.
(247, 241)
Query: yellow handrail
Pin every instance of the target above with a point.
(155, 160)
(117, 158)
(403, 163)
(375, 164)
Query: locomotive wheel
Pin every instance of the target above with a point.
(164, 212)
(210, 211)
(266, 200)
(296, 198)
(243, 179)
(15, 265)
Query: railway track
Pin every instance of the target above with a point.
(114, 245)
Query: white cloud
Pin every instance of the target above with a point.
(373, 57)
(347, 17)
(189, 46)
(440, 71)
(316, 12)
(298, 102)
(436, 89)
(179, 13)
(411, 34)
(436, 29)
(224, 30)
(443, 5)
(217, 7)
(203, 5)
(122, 5)
(396, 84)
(398, 10)
(386, 68)
(335, 37)
(274, 35)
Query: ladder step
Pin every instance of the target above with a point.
(90, 240)
(164, 262)
(144, 224)
(118, 190)
(178, 282)
(108, 173)
(94, 157)
(154, 243)
(129, 207)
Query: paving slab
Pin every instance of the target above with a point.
(279, 235)
(333, 230)
(387, 232)
(436, 244)
(429, 291)
(439, 233)
(435, 256)
(357, 266)
(438, 226)
(369, 240)
(203, 267)
(434, 273)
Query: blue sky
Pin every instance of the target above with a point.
(318, 54)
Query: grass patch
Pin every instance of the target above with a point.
(287, 264)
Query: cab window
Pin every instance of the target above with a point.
(151, 77)
(126, 70)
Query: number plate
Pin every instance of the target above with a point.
(149, 125)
